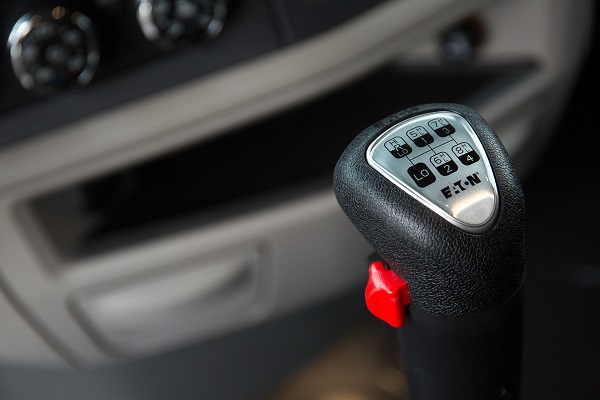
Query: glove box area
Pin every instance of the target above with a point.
(138, 315)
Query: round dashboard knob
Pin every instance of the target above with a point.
(54, 50)
(181, 21)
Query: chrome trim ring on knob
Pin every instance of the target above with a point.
(181, 21)
(54, 50)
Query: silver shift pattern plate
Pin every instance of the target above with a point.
(438, 159)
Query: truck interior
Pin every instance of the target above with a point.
(168, 227)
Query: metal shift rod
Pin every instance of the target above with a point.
(433, 190)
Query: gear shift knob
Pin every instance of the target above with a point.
(433, 190)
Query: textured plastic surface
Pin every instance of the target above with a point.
(449, 271)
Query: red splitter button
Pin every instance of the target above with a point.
(386, 295)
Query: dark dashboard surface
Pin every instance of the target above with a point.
(131, 66)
